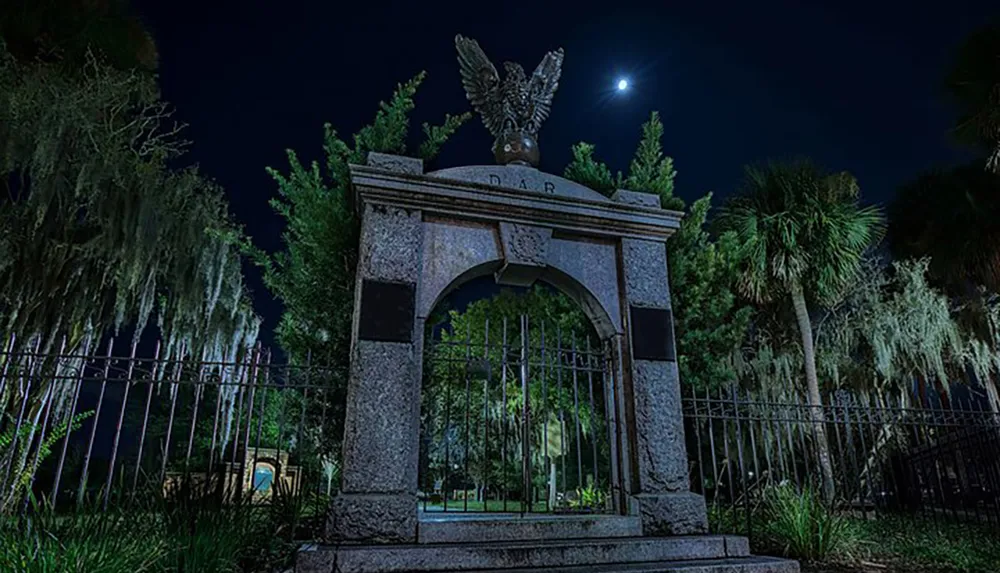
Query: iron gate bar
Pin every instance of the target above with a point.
(121, 420)
(562, 413)
(503, 412)
(576, 417)
(72, 409)
(486, 416)
(526, 498)
(468, 400)
(447, 426)
(260, 426)
(194, 414)
(545, 427)
(593, 433)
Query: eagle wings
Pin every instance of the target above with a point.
(516, 103)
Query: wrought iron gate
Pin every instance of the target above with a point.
(514, 419)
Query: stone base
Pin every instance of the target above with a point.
(682, 513)
(441, 527)
(372, 518)
(703, 553)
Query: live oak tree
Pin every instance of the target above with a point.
(99, 235)
(803, 236)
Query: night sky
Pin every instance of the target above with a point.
(853, 85)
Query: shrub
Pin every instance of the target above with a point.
(802, 525)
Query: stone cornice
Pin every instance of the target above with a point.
(479, 201)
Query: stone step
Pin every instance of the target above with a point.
(726, 565)
(441, 557)
(490, 527)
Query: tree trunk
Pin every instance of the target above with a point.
(812, 394)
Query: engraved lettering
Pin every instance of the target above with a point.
(550, 187)
(524, 184)
(494, 179)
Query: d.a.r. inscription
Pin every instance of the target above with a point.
(546, 186)
(522, 178)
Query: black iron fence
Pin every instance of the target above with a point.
(884, 457)
(95, 429)
(514, 419)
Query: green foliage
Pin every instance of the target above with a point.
(803, 526)
(446, 397)
(649, 172)
(11, 450)
(589, 497)
(114, 542)
(799, 226)
(929, 544)
(205, 535)
(709, 320)
(437, 135)
(100, 234)
(184, 530)
(586, 170)
(314, 276)
(892, 327)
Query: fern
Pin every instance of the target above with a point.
(8, 444)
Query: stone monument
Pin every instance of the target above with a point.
(425, 234)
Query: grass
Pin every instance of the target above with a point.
(795, 524)
(184, 532)
(923, 543)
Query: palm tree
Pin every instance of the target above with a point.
(804, 234)
(974, 82)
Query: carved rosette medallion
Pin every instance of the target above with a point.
(525, 251)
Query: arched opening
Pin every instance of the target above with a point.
(263, 478)
(515, 403)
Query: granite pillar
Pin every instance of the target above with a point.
(660, 485)
(377, 499)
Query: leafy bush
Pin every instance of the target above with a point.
(802, 525)
(590, 497)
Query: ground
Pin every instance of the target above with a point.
(869, 568)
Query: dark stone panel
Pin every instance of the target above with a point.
(387, 311)
(652, 334)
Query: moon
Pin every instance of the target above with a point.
(622, 85)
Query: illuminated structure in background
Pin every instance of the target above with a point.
(259, 473)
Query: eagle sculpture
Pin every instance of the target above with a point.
(514, 108)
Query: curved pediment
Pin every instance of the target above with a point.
(519, 177)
